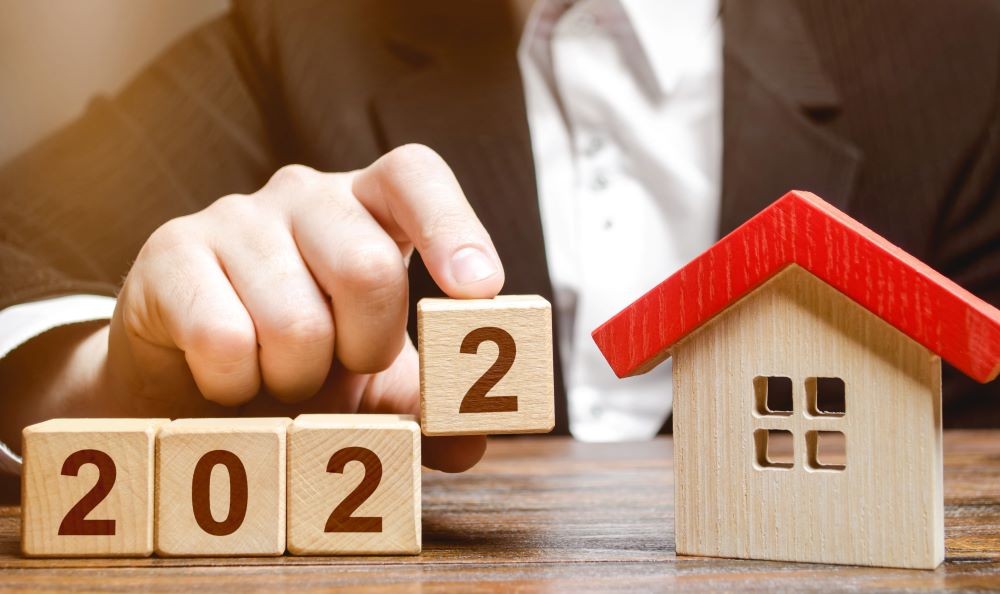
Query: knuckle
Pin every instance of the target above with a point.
(222, 342)
(447, 224)
(411, 160)
(171, 235)
(233, 208)
(373, 268)
(291, 177)
(304, 330)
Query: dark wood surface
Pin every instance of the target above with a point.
(555, 515)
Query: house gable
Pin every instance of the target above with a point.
(802, 229)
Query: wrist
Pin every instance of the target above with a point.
(87, 387)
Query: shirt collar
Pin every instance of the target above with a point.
(666, 31)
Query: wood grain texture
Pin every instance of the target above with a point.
(220, 487)
(802, 229)
(98, 471)
(382, 496)
(550, 514)
(884, 508)
(486, 365)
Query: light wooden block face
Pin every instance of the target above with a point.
(878, 501)
(220, 487)
(353, 485)
(486, 365)
(87, 487)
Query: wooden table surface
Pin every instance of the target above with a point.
(556, 515)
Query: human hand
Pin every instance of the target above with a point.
(299, 291)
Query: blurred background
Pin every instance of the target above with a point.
(57, 54)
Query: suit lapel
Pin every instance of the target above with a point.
(776, 100)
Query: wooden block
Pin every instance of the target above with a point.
(486, 365)
(220, 487)
(847, 468)
(353, 485)
(87, 488)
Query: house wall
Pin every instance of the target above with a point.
(885, 508)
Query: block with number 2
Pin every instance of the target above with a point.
(87, 487)
(353, 485)
(486, 365)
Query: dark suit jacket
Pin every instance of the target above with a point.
(886, 108)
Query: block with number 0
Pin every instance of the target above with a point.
(353, 485)
(220, 487)
(485, 365)
(87, 487)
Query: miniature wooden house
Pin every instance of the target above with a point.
(807, 388)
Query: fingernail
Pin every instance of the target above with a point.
(470, 265)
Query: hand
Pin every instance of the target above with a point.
(299, 290)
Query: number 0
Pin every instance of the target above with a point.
(201, 492)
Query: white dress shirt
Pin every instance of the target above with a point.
(24, 321)
(624, 101)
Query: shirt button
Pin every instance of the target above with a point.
(584, 22)
(599, 182)
(593, 146)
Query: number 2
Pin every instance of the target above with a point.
(476, 399)
(340, 519)
(75, 523)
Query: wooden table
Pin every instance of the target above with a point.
(557, 515)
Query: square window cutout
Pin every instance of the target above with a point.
(826, 396)
(774, 448)
(773, 395)
(827, 450)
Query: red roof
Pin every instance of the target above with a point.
(800, 228)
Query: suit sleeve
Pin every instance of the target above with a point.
(967, 248)
(200, 122)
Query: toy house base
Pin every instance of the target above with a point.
(881, 504)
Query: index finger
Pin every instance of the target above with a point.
(416, 198)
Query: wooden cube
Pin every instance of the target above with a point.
(353, 485)
(220, 487)
(87, 488)
(486, 365)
